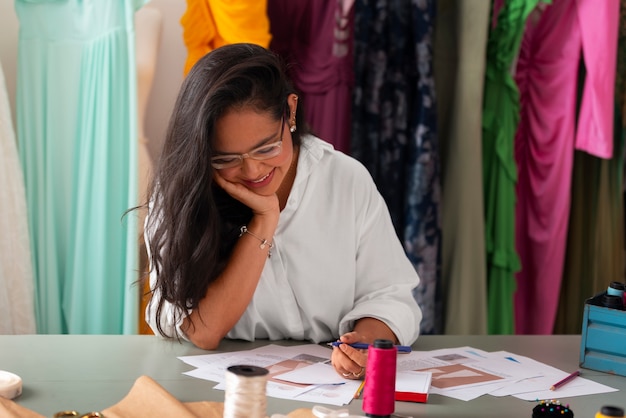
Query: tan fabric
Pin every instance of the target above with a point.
(459, 60)
(301, 413)
(146, 399)
(9, 409)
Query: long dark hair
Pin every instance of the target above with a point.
(193, 224)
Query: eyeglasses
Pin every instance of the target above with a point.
(264, 152)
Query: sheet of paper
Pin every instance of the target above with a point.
(468, 393)
(466, 373)
(542, 376)
(302, 372)
(419, 360)
(470, 369)
(331, 394)
(314, 374)
(279, 360)
(324, 374)
(413, 381)
(577, 387)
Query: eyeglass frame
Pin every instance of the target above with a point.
(250, 154)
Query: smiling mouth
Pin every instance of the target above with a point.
(262, 178)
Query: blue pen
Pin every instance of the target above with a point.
(365, 346)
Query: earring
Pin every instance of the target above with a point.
(292, 128)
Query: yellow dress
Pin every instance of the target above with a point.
(209, 24)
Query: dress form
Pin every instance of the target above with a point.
(148, 21)
(17, 314)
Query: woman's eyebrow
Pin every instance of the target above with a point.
(260, 143)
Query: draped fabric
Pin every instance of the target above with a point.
(460, 45)
(315, 39)
(209, 24)
(595, 242)
(500, 119)
(394, 131)
(77, 130)
(17, 300)
(547, 75)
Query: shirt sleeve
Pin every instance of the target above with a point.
(385, 278)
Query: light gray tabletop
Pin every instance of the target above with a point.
(84, 372)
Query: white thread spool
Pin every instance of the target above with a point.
(245, 392)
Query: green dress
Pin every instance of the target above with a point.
(77, 134)
(500, 120)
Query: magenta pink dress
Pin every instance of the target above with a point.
(555, 42)
(315, 38)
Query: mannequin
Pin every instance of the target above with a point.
(17, 312)
(148, 21)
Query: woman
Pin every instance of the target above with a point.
(258, 229)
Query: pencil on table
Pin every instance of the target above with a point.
(357, 394)
(565, 380)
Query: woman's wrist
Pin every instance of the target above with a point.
(370, 329)
(261, 228)
(265, 222)
(264, 242)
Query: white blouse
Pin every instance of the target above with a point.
(336, 259)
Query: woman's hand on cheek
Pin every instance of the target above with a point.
(260, 205)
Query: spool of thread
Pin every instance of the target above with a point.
(380, 380)
(612, 301)
(617, 289)
(245, 392)
(610, 412)
(10, 385)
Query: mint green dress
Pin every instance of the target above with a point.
(77, 134)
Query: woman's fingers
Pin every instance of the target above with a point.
(258, 203)
(349, 362)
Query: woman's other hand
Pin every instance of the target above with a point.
(349, 362)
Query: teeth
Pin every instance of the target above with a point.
(261, 179)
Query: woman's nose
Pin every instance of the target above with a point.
(251, 167)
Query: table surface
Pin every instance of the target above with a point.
(93, 372)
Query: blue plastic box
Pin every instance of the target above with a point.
(603, 342)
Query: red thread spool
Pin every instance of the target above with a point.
(380, 380)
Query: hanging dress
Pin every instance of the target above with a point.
(17, 299)
(315, 39)
(394, 132)
(77, 130)
(460, 44)
(595, 238)
(552, 126)
(209, 24)
(500, 119)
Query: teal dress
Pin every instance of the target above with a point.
(77, 134)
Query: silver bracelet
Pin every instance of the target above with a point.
(264, 242)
